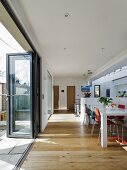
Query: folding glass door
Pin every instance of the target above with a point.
(21, 95)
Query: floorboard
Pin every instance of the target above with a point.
(66, 144)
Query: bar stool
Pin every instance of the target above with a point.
(119, 122)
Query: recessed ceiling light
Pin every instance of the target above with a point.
(89, 72)
(66, 15)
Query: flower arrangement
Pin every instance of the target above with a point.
(104, 100)
(113, 105)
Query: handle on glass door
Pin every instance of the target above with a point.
(10, 95)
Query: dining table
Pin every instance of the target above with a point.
(108, 112)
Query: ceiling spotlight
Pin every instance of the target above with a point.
(90, 72)
(66, 15)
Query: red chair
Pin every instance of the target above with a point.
(98, 121)
(121, 106)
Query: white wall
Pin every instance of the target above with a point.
(63, 82)
(103, 87)
(44, 94)
(116, 81)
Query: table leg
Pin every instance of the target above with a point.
(103, 130)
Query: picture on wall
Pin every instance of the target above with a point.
(96, 90)
(107, 92)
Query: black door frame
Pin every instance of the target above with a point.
(34, 93)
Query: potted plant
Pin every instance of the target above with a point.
(105, 101)
(87, 94)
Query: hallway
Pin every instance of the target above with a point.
(67, 145)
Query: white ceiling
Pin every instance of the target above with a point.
(90, 26)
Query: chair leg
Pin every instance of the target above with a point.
(122, 135)
(109, 129)
(113, 130)
(99, 136)
(92, 130)
(118, 132)
(89, 119)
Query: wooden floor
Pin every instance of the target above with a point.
(66, 144)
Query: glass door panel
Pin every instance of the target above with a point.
(19, 86)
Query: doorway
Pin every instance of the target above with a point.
(70, 98)
(56, 97)
(23, 100)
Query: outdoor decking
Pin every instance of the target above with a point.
(67, 144)
(12, 150)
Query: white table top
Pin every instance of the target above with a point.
(116, 112)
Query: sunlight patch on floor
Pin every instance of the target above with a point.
(47, 141)
(64, 118)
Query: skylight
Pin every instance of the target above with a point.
(121, 72)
